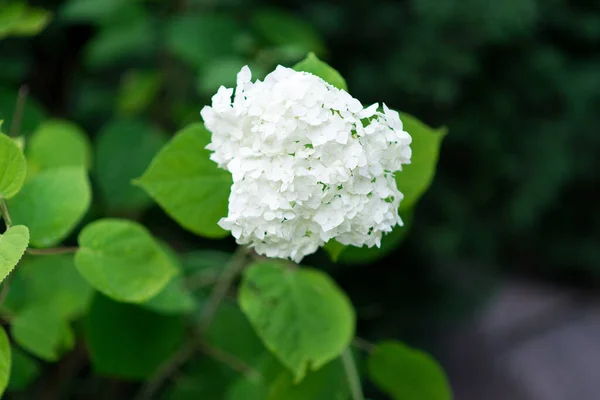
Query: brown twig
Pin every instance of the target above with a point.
(52, 251)
(19, 108)
(4, 213)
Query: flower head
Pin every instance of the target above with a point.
(309, 163)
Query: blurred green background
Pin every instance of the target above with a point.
(517, 83)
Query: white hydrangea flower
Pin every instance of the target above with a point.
(309, 163)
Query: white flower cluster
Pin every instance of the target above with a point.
(309, 163)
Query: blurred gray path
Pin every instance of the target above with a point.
(529, 343)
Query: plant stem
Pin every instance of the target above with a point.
(19, 108)
(237, 263)
(5, 288)
(352, 375)
(230, 360)
(52, 251)
(363, 344)
(4, 213)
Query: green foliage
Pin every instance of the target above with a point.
(407, 374)
(13, 244)
(33, 114)
(58, 143)
(173, 299)
(24, 370)
(53, 281)
(319, 68)
(41, 331)
(127, 341)
(137, 91)
(52, 203)
(5, 360)
(18, 19)
(13, 168)
(289, 308)
(117, 165)
(187, 184)
(122, 260)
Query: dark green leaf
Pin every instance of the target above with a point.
(24, 370)
(5, 360)
(321, 69)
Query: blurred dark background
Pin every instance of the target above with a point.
(512, 210)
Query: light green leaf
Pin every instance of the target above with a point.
(58, 143)
(137, 91)
(407, 374)
(52, 203)
(122, 260)
(199, 39)
(416, 177)
(13, 168)
(188, 185)
(13, 244)
(313, 65)
(117, 165)
(5, 360)
(24, 370)
(282, 28)
(18, 19)
(129, 342)
(327, 383)
(42, 332)
(300, 314)
(90, 11)
(33, 114)
(173, 299)
(53, 280)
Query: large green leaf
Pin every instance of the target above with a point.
(122, 260)
(58, 143)
(13, 244)
(287, 30)
(41, 331)
(18, 19)
(13, 168)
(54, 281)
(52, 203)
(313, 65)
(5, 360)
(24, 369)
(127, 341)
(300, 314)
(199, 39)
(407, 374)
(188, 185)
(416, 177)
(117, 165)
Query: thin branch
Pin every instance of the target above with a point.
(230, 360)
(352, 375)
(235, 266)
(19, 108)
(4, 213)
(52, 251)
(363, 344)
(165, 371)
(5, 288)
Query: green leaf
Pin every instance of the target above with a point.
(173, 299)
(313, 65)
(416, 177)
(13, 244)
(137, 91)
(300, 314)
(219, 72)
(18, 19)
(90, 11)
(117, 165)
(327, 383)
(52, 280)
(334, 249)
(286, 29)
(122, 260)
(58, 143)
(188, 185)
(13, 168)
(41, 331)
(33, 114)
(24, 370)
(129, 342)
(199, 39)
(248, 388)
(407, 374)
(52, 203)
(5, 360)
